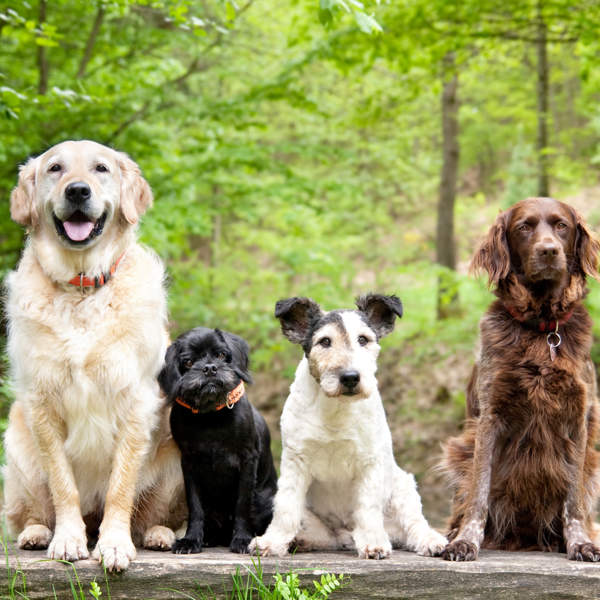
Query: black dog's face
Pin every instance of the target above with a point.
(202, 366)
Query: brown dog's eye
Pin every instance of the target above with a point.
(325, 342)
(524, 228)
(55, 168)
(362, 340)
(561, 226)
(101, 168)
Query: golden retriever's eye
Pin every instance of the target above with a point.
(101, 168)
(363, 340)
(188, 364)
(55, 168)
(325, 342)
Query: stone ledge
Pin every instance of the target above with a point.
(154, 575)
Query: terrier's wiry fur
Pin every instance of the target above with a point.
(340, 486)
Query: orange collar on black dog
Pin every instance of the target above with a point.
(232, 397)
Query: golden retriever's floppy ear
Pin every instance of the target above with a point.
(587, 248)
(493, 254)
(22, 209)
(136, 195)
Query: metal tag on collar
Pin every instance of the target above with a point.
(553, 346)
(229, 404)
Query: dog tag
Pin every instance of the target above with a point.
(553, 340)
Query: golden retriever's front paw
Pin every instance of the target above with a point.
(34, 537)
(68, 545)
(159, 538)
(268, 546)
(115, 550)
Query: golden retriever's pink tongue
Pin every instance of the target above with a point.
(78, 230)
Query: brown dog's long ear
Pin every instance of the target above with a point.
(22, 209)
(136, 195)
(296, 316)
(587, 248)
(493, 254)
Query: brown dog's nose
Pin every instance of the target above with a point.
(547, 249)
(78, 192)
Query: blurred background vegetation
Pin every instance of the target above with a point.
(320, 148)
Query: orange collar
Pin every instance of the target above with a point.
(82, 281)
(232, 398)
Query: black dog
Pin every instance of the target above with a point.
(230, 479)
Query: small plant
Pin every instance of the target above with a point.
(289, 588)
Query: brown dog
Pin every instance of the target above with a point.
(525, 468)
(88, 443)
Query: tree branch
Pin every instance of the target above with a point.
(89, 47)
(42, 59)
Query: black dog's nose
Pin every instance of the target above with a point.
(209, 369)
(349, 378)
(78, 192)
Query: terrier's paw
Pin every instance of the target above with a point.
(34, 537)
(68, 545)
(187, 546)
(432, 544)
(376, 552)
(460, 550)
(159, 538)
(586, 552)
(239, 544)
(115, 550)
(268, 546)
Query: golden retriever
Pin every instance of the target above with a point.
(88, 442)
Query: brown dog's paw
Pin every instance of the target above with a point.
(460, 550)
(586, 552)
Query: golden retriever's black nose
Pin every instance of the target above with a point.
(349, 379)
(78, 192)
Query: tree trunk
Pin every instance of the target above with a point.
(445, 250)
(89, 46)
(542, 105)
(42, 59)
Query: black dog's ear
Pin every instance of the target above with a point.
(240, 354)
(296, 316)
(380, 312)
(169, 374)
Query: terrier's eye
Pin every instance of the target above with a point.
(362, 340)
(325, 342)
(221, 356)
(55, 168)
(101, 168)
(188, 364)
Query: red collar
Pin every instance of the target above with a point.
(540, 325)
(232, 398)
(82, 281)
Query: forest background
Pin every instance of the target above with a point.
(319, 148)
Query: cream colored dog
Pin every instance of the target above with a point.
(88, 440)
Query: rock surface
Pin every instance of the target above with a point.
(497, 575)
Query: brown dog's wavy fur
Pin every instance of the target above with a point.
(544, 413)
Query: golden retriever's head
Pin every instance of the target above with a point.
(76, 190)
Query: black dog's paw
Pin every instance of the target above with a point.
(460, 550)
(239, 544)
(187, 546)
(586, 552)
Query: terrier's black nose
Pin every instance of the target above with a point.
(349, 378)
(78, 192)
(209, 369)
